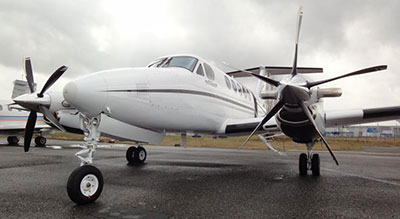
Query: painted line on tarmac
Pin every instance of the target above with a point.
(364, 177)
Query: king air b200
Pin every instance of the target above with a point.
(186, 94)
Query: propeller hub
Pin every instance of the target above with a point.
(32, 101)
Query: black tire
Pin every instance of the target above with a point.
(12, 140)
(303, 164)
(89, 174)
(40, 141)
(130, 153)
(136, 155)
(140, 155)
(315, 165)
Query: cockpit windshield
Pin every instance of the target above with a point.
(186, 62)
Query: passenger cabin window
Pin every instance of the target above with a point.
(234, 86)
(200, 70)
(239, 89)
(181, 62)
(228, 82)
(1, 107)
(209, 72)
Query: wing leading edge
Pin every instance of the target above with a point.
(275, 70)
(360, 116)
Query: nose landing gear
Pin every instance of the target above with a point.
(85, 183)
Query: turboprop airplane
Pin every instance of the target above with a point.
(186, 94)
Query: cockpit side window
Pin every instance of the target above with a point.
(200, 70)
(209, 72)
(157, 63)
(1, 107)
(181, 61)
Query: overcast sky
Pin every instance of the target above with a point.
(93, 35)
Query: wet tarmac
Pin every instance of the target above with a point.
(189, 182)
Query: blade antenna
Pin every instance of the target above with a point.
(308, 114)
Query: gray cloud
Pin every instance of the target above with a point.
(88, 36)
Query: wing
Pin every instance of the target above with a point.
(359, 116)
(243, 127)
(275, 70)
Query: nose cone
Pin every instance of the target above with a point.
(87, 94)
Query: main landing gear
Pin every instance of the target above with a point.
(40, 141)
(12, 140)
(136, 155)
(309, 161)
(85, 183)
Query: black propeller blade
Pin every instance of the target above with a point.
(267, 117)
(29, 74)
(29, 128)
(53, 78)
(266, 79)
(362, 71)
(308, 114)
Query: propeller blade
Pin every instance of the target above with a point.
(307, 112)
(269, 115)
(46, 112)
(29, 128)
(299, 18)
(53, 78)
(265, 79)
(29, 74)
(362, 71)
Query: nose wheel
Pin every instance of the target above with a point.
(85, 184)
(309, 162)
(136, 155)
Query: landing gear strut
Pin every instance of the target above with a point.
(85, 183)
(309, 161)
(12, 140)
(136, 155)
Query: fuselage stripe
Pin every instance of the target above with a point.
(185, 92)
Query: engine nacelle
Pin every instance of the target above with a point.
(295, 124)
(329, 92)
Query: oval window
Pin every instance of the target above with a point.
(209, 72)
(228, 82)
(234, 86)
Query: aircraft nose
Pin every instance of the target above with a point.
(87, 94)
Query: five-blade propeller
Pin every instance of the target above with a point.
(37, 103)
(298, 94)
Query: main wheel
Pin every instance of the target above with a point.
(85, 184)
(315, 165)
(136, 155)
(12, 140)
(303, 164)
(40, 141)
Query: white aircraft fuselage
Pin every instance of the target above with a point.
(165, 99)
